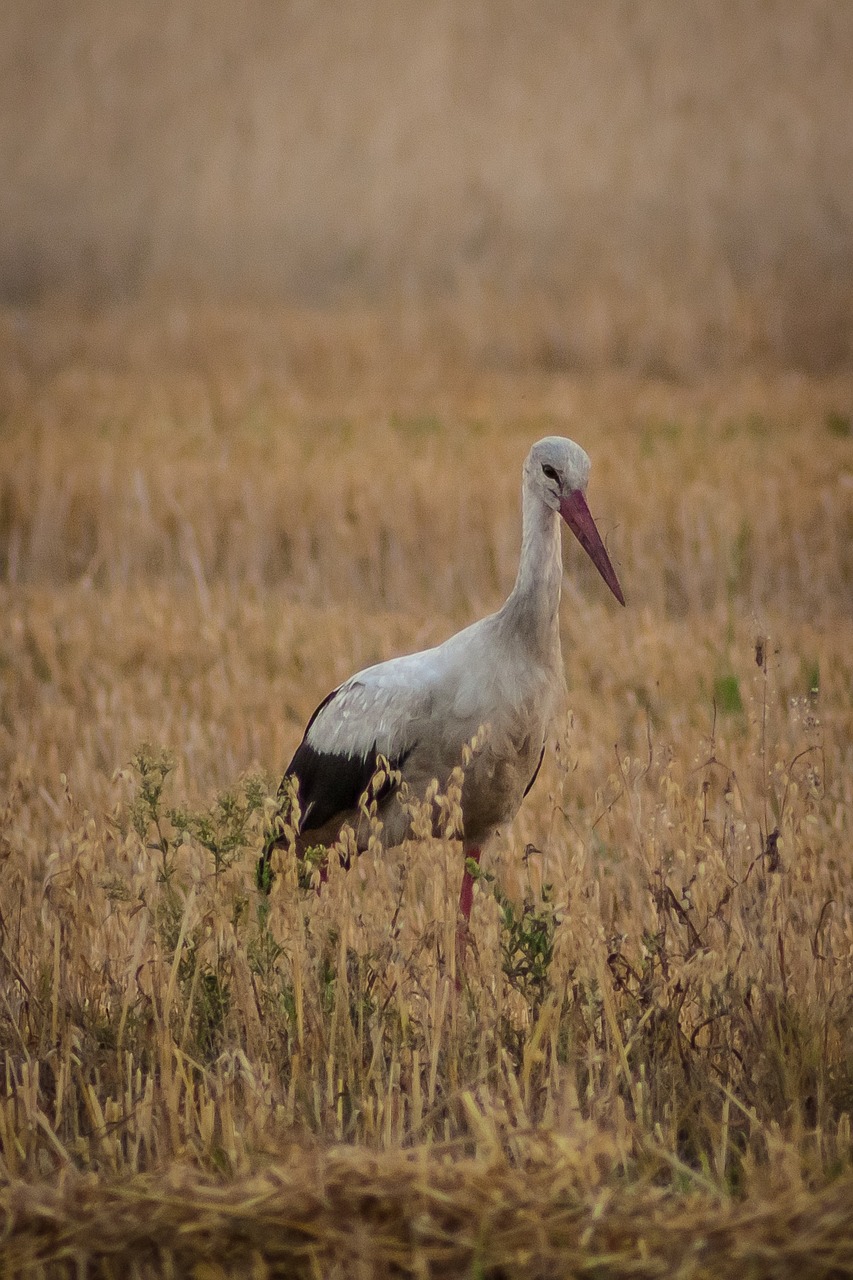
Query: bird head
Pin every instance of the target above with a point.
(558, 470)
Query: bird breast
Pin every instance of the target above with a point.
(503, 766)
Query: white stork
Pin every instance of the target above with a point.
(504, 672)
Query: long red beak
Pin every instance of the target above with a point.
(578, 517)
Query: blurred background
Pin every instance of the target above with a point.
(287, 290)
(661, 187)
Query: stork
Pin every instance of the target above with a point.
(503, 673)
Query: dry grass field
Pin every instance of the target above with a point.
(206, 521)
(667, 186)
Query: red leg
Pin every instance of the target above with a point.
(324, 868)
(466, 898)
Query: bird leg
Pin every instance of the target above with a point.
(466, 899)
(311, 857)
(466, 896)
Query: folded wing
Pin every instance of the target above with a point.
(383, 711)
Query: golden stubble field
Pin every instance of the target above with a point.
(207, 520)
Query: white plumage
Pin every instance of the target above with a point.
(504, 672)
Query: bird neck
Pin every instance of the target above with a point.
(533, 607)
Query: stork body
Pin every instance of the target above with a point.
(503, 673)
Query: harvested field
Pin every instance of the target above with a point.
(207, 520)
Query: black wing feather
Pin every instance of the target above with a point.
(536, 770)
(331, 782)
(328, 783)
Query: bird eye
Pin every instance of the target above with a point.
(550, 472)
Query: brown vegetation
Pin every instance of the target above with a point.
(656, 186)
(652, 1047)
